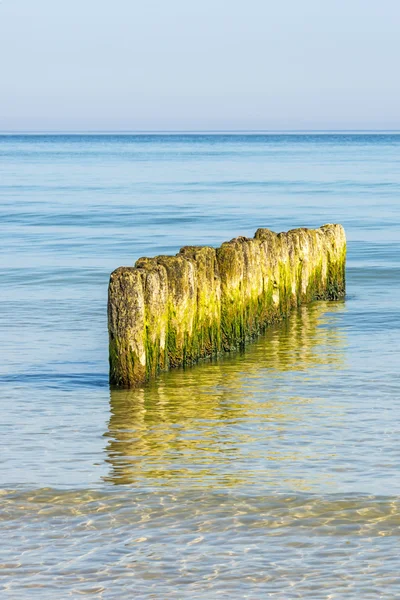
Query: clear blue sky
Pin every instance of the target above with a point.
(199, 64)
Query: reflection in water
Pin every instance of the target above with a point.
(235, 421)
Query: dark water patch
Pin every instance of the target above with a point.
(54, 380)
(374, 277)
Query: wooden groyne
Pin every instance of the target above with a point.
(170, 311)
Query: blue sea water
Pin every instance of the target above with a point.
(272, 473)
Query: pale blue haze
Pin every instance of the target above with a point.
(269, 474)
(210, 65)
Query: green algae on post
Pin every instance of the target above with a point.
(172, 311)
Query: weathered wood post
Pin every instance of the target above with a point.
(170, 311)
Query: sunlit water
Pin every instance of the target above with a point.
(273, 473)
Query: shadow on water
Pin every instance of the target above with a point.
(215, 423)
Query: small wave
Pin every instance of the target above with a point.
(57, 380)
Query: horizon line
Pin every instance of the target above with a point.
(196, 131)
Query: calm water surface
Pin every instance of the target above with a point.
(272, 473)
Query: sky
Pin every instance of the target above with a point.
(98, 65)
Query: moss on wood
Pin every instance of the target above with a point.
(172, 311)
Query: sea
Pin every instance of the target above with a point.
(271, 473)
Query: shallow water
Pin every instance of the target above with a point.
(272, 473)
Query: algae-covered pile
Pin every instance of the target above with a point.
(170, 311)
